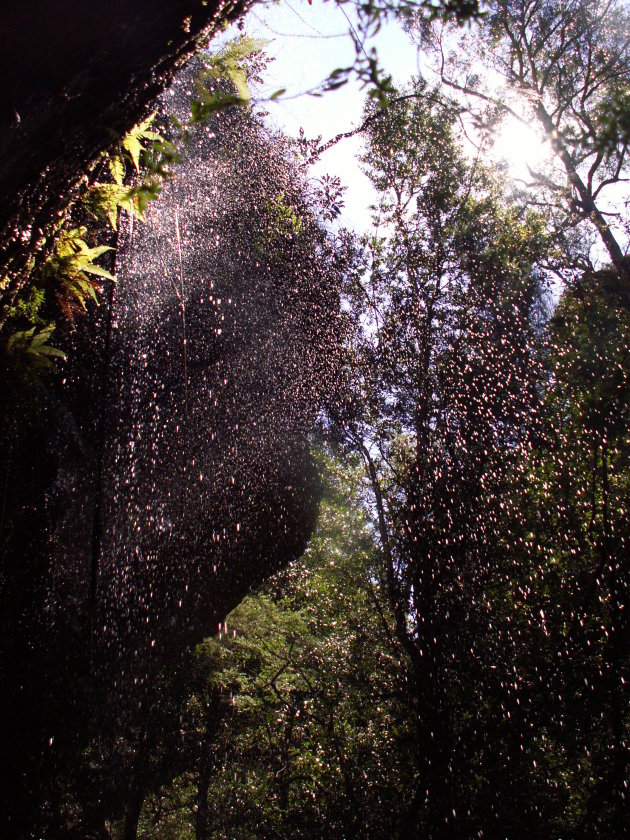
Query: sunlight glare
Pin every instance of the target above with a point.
(520, 146)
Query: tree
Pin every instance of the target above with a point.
(228, 343)
(565, 67)
(314, 737)
(495, 444)
(447, 306)
(573, 566)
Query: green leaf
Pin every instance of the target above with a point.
(31, 353)
(117, 168)
(239, 79)
(132, 145)
(96, 269)
(132, 141)
(230, 64)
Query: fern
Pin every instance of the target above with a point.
(71, 264)
(230, 64)
(132, 141)
(31, 354)
(104, 200)
(70, 270)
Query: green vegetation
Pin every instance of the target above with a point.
(565, 68)
(62, 277)
(302, 720)
(66, 275)
(451, 655)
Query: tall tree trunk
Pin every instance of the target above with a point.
(585, 203)
(203, 783)
(132, 816)
(216, 705)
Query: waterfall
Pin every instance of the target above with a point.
(171, 467)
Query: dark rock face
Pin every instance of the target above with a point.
(168, 471)
(75, 76)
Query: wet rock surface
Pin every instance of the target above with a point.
(167, 472)
(76, 76)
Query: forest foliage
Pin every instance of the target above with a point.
(449, 658)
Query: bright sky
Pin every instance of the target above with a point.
(306, 43)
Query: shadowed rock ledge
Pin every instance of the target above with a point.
(75, 76)
(167, 471)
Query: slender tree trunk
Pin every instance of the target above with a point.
(132, 816)
(585, 204)
(215, 709)
(203, 783)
